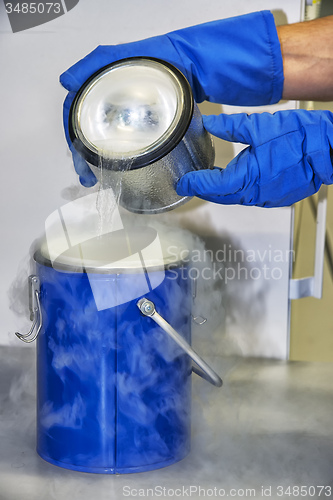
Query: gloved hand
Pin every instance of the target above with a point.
(288, 159)
(232, 61)
(86, 176)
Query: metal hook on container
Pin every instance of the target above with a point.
(147, 307)
(199, 320)
(35, 311)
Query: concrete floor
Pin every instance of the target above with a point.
(269, 427)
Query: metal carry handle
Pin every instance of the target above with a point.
(35, 312)
(147, 307)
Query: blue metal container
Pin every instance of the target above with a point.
(113, 391)
(113, 375)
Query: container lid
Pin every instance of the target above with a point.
(123, 251)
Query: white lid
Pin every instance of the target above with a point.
(116, 252)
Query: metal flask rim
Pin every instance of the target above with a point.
(77, 264)
(144, 159)
(40, 259)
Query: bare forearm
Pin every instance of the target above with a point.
(307, 50)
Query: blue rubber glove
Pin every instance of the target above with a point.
(288, 159)
(231, 61)
(86, 176)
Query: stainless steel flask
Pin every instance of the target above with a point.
(137, 125)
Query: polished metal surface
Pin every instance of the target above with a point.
(271, 426)
(129, 109)
(139, 129)
(151, 189)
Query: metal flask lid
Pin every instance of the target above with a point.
(126, 122)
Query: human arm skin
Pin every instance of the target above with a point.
(307, 51)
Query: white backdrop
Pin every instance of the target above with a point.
(37, 169)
